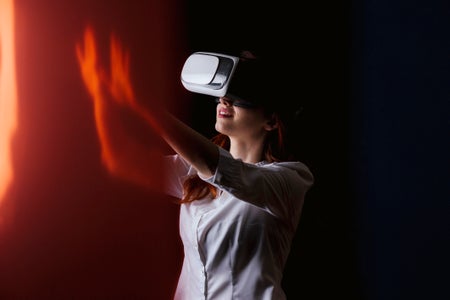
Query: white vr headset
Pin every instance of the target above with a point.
(208, 73)
(249, 85)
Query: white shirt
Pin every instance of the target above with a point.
(236, 246)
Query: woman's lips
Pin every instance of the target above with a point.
(224, 113)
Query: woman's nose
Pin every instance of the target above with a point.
(226, 101)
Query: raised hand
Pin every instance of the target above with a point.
(113, 97)
(116, 84)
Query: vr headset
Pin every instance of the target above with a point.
(218, 75)
(208, 73)
(247, 82)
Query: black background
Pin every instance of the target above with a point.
(374, 80)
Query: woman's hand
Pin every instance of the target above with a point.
(117, 84)
(130, 155)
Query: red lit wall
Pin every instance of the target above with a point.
(71, 229)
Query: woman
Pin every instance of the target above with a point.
(241, 199)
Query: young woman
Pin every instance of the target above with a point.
(241, 198)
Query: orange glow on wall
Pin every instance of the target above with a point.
(8, 93)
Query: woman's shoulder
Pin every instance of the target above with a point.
(294, 164)
(299, 167)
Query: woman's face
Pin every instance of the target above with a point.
(240, 122)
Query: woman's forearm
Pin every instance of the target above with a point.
(195, 148)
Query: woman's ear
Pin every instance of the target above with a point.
(272, 123)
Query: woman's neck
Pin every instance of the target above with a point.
(249, 152)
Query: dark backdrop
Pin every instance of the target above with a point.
(374, 80)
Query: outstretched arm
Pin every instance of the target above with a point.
(123, 156)
(196, 149)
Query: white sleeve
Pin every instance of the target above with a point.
(176, 170)
(279, 188)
